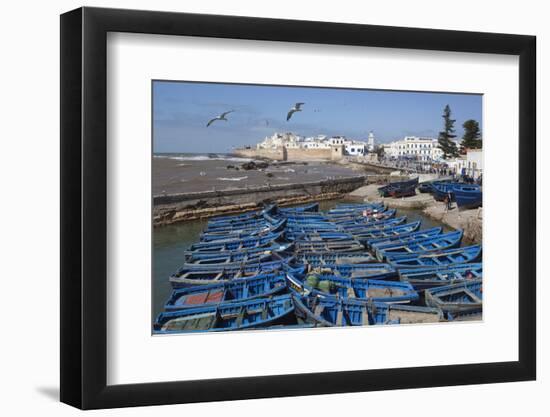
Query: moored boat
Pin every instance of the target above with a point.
(236, 244)
(351, 245)
(405, 231)
(212, 236)
(186, 277)
(256, 313)
(429, 277)
(322, 258)
(306, 208)
(333, 311)
(447, 257)
(465, 297)
(281, 249)
(408, 246)
(264, 285)
(356, 289)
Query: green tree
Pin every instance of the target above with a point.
(445, 140)
(472, 136)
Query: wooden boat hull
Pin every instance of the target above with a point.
(238, 290)
(447, 257)
(251, 314)
(205, 276)
(456, 299)
(397, 234)
(338, 312)
(356, 289)
(424, 278)
(322, 258)
(406, 247)
(236, 244)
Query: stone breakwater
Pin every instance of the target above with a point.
(174, 208)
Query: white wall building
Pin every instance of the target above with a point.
(421, 148)
(370, 142)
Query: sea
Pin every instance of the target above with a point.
(193, 172)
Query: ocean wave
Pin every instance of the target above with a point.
(212, 157)
(232, 179)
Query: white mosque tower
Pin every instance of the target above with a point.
(370, 142)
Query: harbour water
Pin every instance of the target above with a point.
(169, 243)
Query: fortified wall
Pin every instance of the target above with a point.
(334, 153)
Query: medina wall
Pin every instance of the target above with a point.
(253, 153)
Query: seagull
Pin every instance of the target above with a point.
(220, 117)
(297, 107)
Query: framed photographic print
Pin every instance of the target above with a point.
(257, 208)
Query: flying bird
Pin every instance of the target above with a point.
(220, 117)
(297, 107)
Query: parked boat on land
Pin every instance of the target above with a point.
(423, 278)
(408, 246)
(398, 186)
(251, 314)
(447, 257)
(260, 286)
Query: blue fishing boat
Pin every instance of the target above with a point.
(212, 236)
(470, 193)
(407, 246)
(370, 236)
(319, 236)
(447, 257)
(363, 223)
(333, 311)
(312, 227)
(351, 245)
(307, 208)
(373, 205)
(356, 209)
(238, 258)
(392, 234)
(237, 244)
(465, 297)
(260, 286)
(404, 237)
(468, 197)
(429, 277)
(322, 258)
(281, 249)
(364, 215)
(251, 314)
(354, 289)
(373, 270)
(212, 274)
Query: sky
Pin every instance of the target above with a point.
(181, 111)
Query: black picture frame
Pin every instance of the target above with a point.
(84, 207)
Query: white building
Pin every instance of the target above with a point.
(278, 140)
(470, 164)
(420, 148)
(370, 142)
